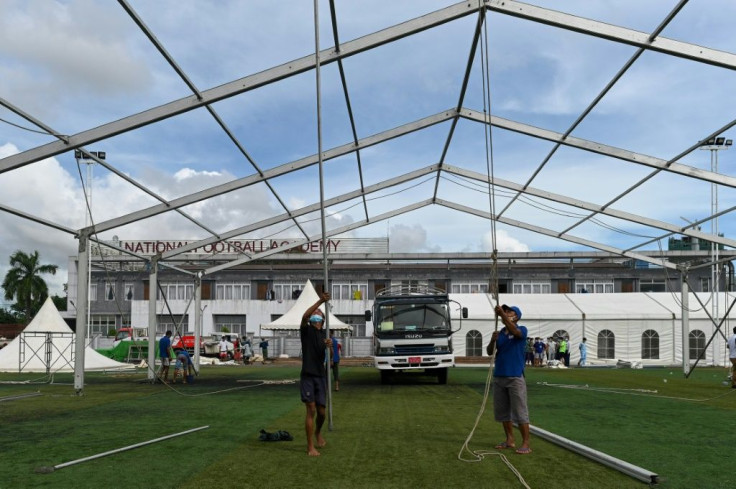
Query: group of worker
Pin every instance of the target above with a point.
(183, 366)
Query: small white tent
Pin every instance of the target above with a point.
(47, 345)
(293, 318)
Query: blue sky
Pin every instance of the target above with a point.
(79, 64)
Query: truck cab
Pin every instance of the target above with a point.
(412, 330)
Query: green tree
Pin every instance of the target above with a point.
(24, 284)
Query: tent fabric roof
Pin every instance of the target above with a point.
(49, 323)
(293, 318)
(637, 305)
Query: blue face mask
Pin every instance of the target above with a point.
(316, 319)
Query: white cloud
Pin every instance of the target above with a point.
(504, 242)
(410, 239)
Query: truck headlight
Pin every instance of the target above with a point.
(389, 350)
(441, 349)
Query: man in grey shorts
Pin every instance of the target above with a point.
(313, 378)
(509, 386)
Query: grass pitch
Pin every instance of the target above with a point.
(407, 434)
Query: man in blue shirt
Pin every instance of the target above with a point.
(509, 386)
(583, 352)
(164, 351)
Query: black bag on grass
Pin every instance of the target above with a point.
(277, 436)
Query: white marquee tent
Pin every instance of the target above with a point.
(616, 325)
(47, 345)
(293, 318)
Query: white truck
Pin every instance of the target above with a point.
(412, 330)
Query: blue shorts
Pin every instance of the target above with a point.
(313, 389)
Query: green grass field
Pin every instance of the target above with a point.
(404, 435)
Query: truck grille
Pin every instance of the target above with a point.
(414, 349)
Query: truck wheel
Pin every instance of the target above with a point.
(442, 376)
(385, 377)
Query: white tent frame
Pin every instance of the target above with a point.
(203, 99)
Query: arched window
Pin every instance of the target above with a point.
(473, 344)
(650, 344)
(606, 344)
(697, 344)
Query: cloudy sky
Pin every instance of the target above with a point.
(78, 64)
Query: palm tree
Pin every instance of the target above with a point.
(23, 283)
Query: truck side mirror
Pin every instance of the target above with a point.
(465, 313)
(368, 315)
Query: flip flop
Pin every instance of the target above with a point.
(524, 451)
(503, 446)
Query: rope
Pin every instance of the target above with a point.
(479, 455)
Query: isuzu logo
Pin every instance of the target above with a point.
(413, 336)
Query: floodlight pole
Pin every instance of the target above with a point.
(714, 145)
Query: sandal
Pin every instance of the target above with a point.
(503, 446)
(524, 451)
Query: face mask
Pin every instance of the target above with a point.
(316, 319)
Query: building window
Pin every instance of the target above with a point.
(594, 287)
(697, 345)
(652, 286)
(178, 325)
(286, 291)
(531, 287)
(109, 291)
(474, 344)
(650, 345)
(129, 291)
(704, 284)
(92, 292)
(232, 291)
(176, 291)
(606, 344)
(231, 323)
(349, 291)
(469, 288)
(101, 324)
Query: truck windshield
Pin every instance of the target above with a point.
(401, 318)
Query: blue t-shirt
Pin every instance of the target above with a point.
(510, 353)
(163, 347)
(335, 350)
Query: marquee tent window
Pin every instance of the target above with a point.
(606, 344)
(561, 333)
(650, 345)
(697, 344)
(474, 344)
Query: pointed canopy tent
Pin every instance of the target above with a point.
(293, 318)
(47, 345)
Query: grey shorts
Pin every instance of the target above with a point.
(509, 400)
(165, 361)
(313, 389)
